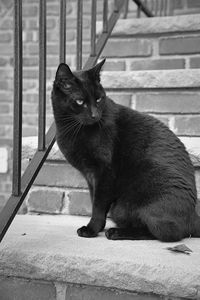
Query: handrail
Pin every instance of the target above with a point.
(21, 185)
(153, 8)
(143, 7)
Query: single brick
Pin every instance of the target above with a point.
(178, 4)
(195, 62)
(6, 49)
(30, 36)
(61, 175)
(123, 99)
(29, 131)
(187, 125)
(33, 49)
(51, 23)
(34, 73)
(30, 98)
(30, 73)
(22, 289)
(53, 9)
(127, 48)
(7, 24)
(29, 119)
(2, 131)
(32, 24)
(114, 66)
(3, 85)
(30, 109)
(179, 45)
(6, 96)
(6, 120)
(53, 61)
(174, 102)
(80, 203)
(30, 10)
(29, 61)
(87, 7)
(163, 119)
(54, 37)
(158, 64)
(29, 84)
(3, 61)
(45, 200)
(5, 37)
(72, 23)
(193, 3)
(4, 108)
(89, 292)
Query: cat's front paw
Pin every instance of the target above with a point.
(86, 232)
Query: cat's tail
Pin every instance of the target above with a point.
(196, 226)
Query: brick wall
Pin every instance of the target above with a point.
(131, 54)
(175, 7)
(186, 7)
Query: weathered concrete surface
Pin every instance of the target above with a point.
(29, 147)
(47, 247)
(192, 144)
(157, 25)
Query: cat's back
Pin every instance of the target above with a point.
(144, 138)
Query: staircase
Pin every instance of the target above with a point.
(153, 66)
(160, 78)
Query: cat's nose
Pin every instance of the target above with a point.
(94, 112)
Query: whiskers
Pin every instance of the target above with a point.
(69, 127)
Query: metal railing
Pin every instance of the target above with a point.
(151, 8)
(21, 185)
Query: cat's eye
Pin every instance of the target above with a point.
(98, 100)
(79, 102)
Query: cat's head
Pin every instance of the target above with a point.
(79, 95)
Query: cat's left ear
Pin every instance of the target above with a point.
(64, 72)
(95, 71)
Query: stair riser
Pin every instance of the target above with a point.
(60, 189)
(23, 289)
(154, 44)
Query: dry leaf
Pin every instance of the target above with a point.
(180, 248)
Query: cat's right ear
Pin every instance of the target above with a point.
(64, 72)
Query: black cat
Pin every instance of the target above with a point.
(134, 165)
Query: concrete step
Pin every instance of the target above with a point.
(61, 189)
(43, 258)
(154, 43)
(156, 25)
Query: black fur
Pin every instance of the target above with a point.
(134, 165)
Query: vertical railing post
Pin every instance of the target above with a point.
(17, 124)
(79, 34)
(126, 6)
(42, 76)
(62, 31)
(105, 16)
(93, 28)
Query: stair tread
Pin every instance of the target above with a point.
(156, 25)
(48, 248)
(29, 147)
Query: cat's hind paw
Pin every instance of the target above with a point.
(112, 234)
(86, 232)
